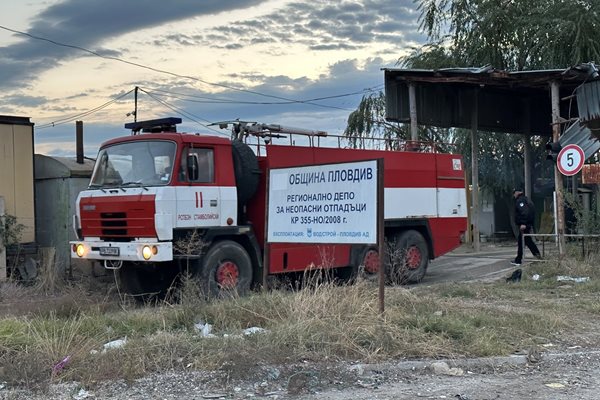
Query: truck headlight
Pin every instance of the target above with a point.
(149, 251)
(79, 249)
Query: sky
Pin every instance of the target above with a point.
(299, 64)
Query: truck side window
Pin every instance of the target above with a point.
(206, 164)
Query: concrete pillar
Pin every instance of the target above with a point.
(475, 172)
(558, 178)
(3, 275)
(412, 104)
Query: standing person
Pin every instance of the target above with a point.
(524, 219)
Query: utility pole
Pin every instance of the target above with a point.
(135, 110)
(558, 178)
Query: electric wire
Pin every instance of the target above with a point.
(72, 118)
(184, 113)
(83, 49)
(218, 100)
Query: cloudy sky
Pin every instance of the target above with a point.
(301, 64)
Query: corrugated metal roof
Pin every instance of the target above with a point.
(580, 135)
(507, 101)
(588, 101)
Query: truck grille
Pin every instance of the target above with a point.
(118, 218)
(113, 224)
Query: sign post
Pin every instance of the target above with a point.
(570, 160)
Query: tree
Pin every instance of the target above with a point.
(368, 121)
(514, 34)
(507, 34)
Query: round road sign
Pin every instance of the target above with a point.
(570, 160)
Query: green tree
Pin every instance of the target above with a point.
(514, 34)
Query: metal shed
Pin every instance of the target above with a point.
(16, 172)
(58, 181)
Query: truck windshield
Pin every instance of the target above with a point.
(137, 163)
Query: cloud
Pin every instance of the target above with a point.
(343, 77)
(324, 25)
(87, 24)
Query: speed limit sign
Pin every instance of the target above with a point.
(570, 160)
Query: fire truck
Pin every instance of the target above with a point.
(161, 203)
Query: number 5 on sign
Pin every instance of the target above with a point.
(570, 160)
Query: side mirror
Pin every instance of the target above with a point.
(192, 167)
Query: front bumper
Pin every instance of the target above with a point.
(127, 251)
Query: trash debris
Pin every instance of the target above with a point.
(82, 394)
(204, 329)
(555, 385)
(579, 279)
(115, 344)
(535, 277)
(442, 368)
(214, 396)
(253, 330)
(59, 366)
(515, 276)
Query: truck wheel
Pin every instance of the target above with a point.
(225, 269)
(367, 265)
(408, 257)
(147, 282)
(247, 173)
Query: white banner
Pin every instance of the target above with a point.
(331, 203)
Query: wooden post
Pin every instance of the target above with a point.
(527, 166)
(528, 189)
(3, 275)
(412, 104)
(558, 178)
(475, 173)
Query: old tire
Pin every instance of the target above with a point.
(407, 257)
(147, 282)
(247, 173)
(226, 269)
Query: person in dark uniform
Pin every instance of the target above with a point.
(524, 219)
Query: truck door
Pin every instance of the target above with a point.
(198, 195)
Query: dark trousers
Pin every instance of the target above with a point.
(528, 242)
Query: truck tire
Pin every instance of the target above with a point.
(247, 173)
(367, 264)
(407, 258)
(226, 269)
(147, 282)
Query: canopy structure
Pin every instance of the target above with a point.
(490, 100)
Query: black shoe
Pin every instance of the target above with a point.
(516, 263)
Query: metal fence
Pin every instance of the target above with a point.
(576, 245)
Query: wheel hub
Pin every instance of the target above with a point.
(227, 275)
(413, 257)
(371, 261)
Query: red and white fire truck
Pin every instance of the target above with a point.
(155, 189)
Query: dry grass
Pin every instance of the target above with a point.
(323, 320)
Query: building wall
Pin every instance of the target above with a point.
(55, 218)
(16, 175)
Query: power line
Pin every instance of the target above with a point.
(165, 71)
(72, 118)
(217, 100)
(184, 113)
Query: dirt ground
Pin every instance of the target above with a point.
(571, 374)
